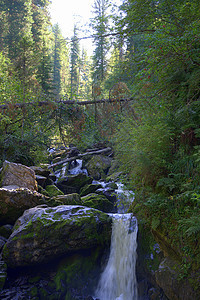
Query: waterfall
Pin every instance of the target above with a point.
(118, 281)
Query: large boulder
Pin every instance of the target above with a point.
(98, 166)
(97, 201)
(44, 233)
(89, 188)
(53, 191)
(18, 175)
(13, 202)
(41, 171)
(73, 183)
(70, 199)
(167, 277)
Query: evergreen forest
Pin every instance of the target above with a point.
(141, 88)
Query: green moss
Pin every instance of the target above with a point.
(98, 202)
(34, 292)
(53, 191)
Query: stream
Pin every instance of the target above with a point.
(118, 280)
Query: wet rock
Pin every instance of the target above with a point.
(89, 188)
(53, 191)
(41, 171)
(14, 202)
(41, 180)
(73, 183)
(173, 287)
(98, 166)
(44, 233)
(108, 193)
(97, 201)
(70, 199)
(18, 175)
(112, 185)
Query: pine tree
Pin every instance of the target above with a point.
(75, 63)
(60, 63)
(100, 24)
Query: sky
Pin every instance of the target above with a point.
(69, 12)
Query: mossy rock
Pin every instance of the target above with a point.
(89, 188)
(79, 274)
(98, 166)
(114, 167)
(53, 191)
(114, 176)
(98, 202)
(112, 185)
(45, 233)
(70, 199)
(73, 183)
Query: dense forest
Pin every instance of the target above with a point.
(146, 53)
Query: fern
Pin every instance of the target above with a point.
(190, 226)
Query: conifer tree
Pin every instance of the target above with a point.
(100, 24)
(75, 63)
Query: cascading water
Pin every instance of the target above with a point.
(118, 280)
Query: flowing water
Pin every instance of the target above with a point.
(118, 280)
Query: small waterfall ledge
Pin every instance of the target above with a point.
(118, 280)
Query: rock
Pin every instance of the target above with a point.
(97, 201)
(53, 191)
(70, 199)
(98, 166)
(6, 230)
(112, 185)
(173, 287)
(108, 193)
(89, 188)
(73, 183)
(44, 233)
(14, 202)
(3, 273)
(2, 242)
(114, 176)
(41, 171)
(18, 175)
(114, 167)
(41, 180)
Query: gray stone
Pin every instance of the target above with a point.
(44, 233)
(18, 175)
(15, 201)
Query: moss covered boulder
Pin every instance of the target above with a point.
(98, 166)
(97, 201)
(53, 190)
(89, 188)
(13, 202)
(44, 233)
(70, 199)
(73, 183)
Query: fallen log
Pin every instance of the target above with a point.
(79, 156)
(65, 102)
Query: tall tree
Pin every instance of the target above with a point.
(75, 63)
(100, 23)
(60, 63)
